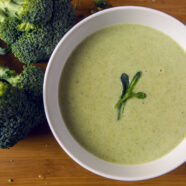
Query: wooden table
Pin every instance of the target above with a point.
(38, 159)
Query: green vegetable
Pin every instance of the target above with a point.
(64, 17)
(127, 92)
(8, 28)
(134, 81)
(33, 28)
(34, 11)
(21, 107)
(30, 80)
(2, 15)
(34, 46)
(101, 3)
(139, 95)
(26, 27)
(125, 84)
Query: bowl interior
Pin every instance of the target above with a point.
(131, 15)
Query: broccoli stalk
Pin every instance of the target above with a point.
(21, 107)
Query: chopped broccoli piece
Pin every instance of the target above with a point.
(30, 80)
(8, 28)
(33, 11)
(34, 41)
(31, 46)
(38, 45)
(21, 107)
(64, 18)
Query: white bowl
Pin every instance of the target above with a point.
(127, 14)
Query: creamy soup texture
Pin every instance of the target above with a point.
(90, 86)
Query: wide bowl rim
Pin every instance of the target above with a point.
(45, 92)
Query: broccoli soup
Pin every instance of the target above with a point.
(122, 94)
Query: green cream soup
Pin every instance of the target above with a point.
(90, 86)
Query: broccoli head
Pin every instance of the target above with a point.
(18, 116)
(64, 18)
(21, 107)
(33, 11)
(30, 80)
(36, 40)
(8, 28)
(31, 46)
(38, 45)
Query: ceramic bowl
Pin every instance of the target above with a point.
(125, 14)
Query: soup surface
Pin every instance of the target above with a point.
(90, 86)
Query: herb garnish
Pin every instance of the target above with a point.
(127, 92)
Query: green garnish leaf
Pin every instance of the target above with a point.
(127, 92)
(134, 81)
(140, 95)
(125, 83)
(121, 110)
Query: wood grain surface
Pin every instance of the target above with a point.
(38, 159)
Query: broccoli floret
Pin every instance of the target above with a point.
(2, 15)
(21, 107)
(31, 46)
(36, 42)
(33, 11)
(26, 27)
(8, 28)
(64, 18)
(18, 116)
(39, 44)
(30, 80)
